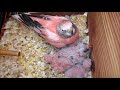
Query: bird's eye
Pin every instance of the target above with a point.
(62, 30)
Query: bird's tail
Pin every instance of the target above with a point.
(28, 21)
(16, 15)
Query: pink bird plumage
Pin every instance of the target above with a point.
(76, 72)
(56, 30)
(73, 60)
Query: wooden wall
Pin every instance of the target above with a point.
(105, 39)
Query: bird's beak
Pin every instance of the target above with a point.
(69, 30)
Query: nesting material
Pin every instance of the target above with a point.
(31, 62)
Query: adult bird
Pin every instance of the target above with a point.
(56, 30)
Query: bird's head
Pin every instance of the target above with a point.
(66, 29)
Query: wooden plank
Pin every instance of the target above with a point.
(58, 13)
(105, 39)
(4, 17)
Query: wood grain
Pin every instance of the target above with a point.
(105, 39)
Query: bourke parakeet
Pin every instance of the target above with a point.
(58, 31)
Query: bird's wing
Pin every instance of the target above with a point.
(28, 21)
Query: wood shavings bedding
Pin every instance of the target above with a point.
(31, 63)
